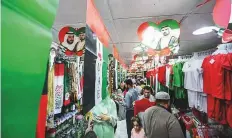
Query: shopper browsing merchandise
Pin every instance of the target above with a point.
(158, 120)
(105, 118)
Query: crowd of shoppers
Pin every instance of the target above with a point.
(148, 115)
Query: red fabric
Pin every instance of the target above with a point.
(216, 109)
(221, 13)
(95, 22)
(213, 75)
(210, 106)
(142, 105)
(188, 122)
(162, 75)
(220, 111)
(229, 113)
(59, 70)
(41, 123)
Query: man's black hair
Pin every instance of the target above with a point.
(148, 88)
(129, 82)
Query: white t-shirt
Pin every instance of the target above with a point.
(197, 100)
(193, 79)
(168, 72)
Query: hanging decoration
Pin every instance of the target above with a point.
(73, 40)
(221, 13)
(162, 38)
(227, 34)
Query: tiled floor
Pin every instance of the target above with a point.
(121, 131)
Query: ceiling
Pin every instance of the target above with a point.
(123, 17)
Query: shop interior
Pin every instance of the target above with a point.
(86, 50)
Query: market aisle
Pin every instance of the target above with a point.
(121, 130)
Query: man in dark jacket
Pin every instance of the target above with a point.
(158, 120)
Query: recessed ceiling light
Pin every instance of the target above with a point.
(205, 30)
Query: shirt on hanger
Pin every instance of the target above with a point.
(162, 75)
(168, 73)
(214, 74)
(193, 79)
(178, 75)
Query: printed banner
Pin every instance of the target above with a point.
(96, 59)
(58, 88)
(98, 79)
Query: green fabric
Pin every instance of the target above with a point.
(162, 87)
(104, 72)
(180, 93)
(178, 77)
(101, 128)
(26, 40)
(178, 81)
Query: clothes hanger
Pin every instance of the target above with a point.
(222, 49)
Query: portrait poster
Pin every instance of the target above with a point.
(160, 38)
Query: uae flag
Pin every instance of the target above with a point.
(96, 59)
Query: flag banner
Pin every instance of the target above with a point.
(95, 60)
(58, 87)
(95, 68)
(23, 73)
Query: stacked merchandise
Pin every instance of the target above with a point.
(65, 90)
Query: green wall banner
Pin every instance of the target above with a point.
(26, 40)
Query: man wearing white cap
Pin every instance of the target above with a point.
(159, 122)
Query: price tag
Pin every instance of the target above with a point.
(212, 61)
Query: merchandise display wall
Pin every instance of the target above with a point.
(79, 75)
(200, 88)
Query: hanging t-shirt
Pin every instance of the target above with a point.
(168, 73)
(162, 75)
(193, 79)
(214, 74)
(178, 75)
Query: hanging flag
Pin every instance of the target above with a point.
(95, 60)
(58, 87)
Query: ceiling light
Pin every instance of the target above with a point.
(205, 30)
(138, 48)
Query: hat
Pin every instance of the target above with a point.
(162, 96)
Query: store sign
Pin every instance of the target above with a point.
(162, 38)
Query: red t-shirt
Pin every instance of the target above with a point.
(214, 74)
(228, 79)
(142, 105)
(162, 75)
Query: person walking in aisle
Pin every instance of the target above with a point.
(130, 98)
(159, 122)
(147, 93)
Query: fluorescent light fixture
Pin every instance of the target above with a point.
(205, 30)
